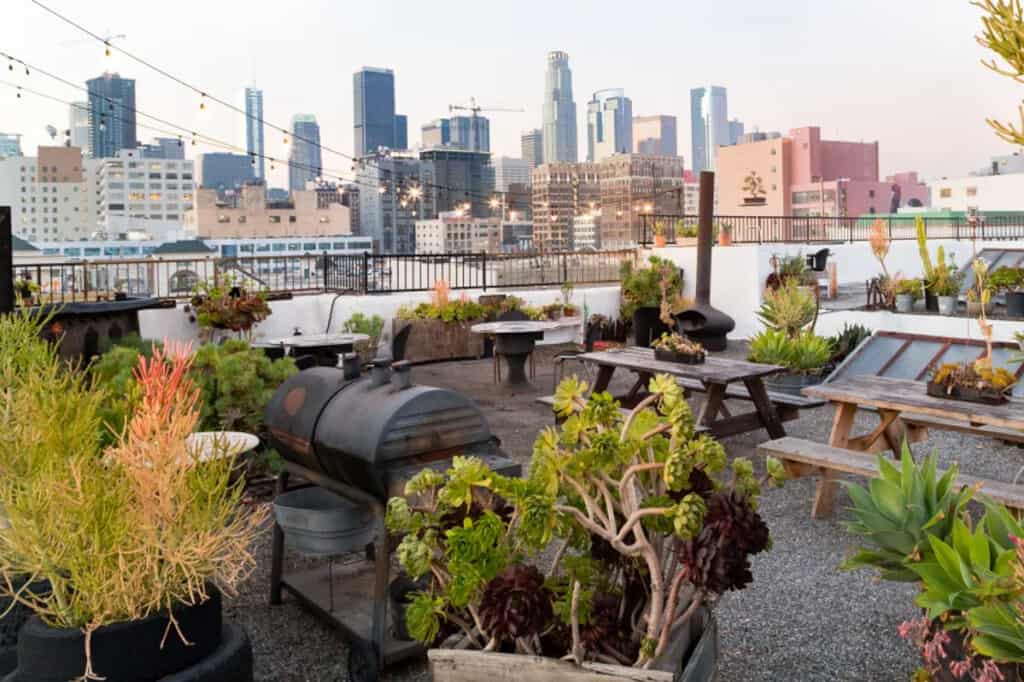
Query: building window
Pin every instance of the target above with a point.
(972, 191)
(291, 219)
(871, 194)
(945, 193)
(154, 196)
(871, 209)
(223, 218)
(324, 219)
(274, 219)
(241, 218)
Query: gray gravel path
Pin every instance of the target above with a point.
(801, 619)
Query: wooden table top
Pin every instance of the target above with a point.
(312, 340)
(518, 326)
(714, 370)
(905, 395)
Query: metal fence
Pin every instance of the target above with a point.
(101, 280)
(806, 229)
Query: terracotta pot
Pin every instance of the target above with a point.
(724, 238)
(660, 241)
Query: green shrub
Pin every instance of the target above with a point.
(790, 308)
(642, 286)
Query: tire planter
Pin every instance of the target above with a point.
(647, 326)
(931, 302)
(130, 651)
(10, 624)
(691, 656)
(792, 383)
(1015, 303)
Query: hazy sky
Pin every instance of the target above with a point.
(905, 73)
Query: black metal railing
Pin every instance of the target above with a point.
(808, 229)
(365, 273)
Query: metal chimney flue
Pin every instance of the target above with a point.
(380, 375)
(350, 365)
(401, 375)
(701, 321)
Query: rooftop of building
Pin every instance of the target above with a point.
(183, 246)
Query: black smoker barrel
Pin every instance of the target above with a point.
(701, 321)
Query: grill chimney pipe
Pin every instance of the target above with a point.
(401, 375)
(380, 375)
(350, 365)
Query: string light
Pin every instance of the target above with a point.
(286, 139)
(202, 102)
(107, 50)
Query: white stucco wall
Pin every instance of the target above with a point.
(311, 313)
(931, 325)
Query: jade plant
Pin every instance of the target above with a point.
(646, 523)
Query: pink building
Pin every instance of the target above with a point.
(804, 175)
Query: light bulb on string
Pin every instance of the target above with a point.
(107, 48)
(202, 101)
(286, 139)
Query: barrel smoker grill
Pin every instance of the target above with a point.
(362, 438)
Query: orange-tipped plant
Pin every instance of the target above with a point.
(121, 533)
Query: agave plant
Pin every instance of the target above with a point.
(900, 510)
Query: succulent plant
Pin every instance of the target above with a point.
(718, 558)
(516, 603)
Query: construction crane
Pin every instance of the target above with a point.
(476, 108)
(107, 38)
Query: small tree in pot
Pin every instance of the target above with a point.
(1009, 282)
(645, 292)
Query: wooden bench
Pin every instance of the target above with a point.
(929, 422)
(787, 405)
(549, 401)
(803, 457)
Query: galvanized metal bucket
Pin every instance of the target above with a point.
(320, 523)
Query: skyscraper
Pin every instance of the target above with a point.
(376, 124)
(709, 119)
(736, 130)
(559, 111)
(609, 124)
(532, 142)
(437, 133)
(10, 146)
(304, 161)
(224, 171)
(78, 126)
(254, 128)
(111, 115)
(655, 135)
(472, 133)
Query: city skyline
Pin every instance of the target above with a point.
(776, 82)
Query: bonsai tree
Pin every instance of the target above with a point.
(643, 531)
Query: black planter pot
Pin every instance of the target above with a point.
(10, 624)
(678, 356)
(793, 383)
(647, 326)
(400, 593)
(1015, 303)
(931, 302)
(130, 651)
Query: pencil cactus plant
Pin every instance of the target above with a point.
(647, 520)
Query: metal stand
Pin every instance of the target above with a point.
(360, 589)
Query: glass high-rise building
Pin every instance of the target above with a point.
(609, 124)
(224, 171)
(655, 135)
(78, 125)
(559, 111)
(10, 146)
(304, 161)
(376, 124)
(709, 118)
(111, 115)
(254, 128)
(532, 145)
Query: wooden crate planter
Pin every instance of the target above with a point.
(691, 656)
(434, 340)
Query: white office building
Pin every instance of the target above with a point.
(144, 195)
(984, 192)
(508, 171)
(78, 126)
(458, 232)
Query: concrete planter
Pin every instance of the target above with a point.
(691, 656)
(435, 340)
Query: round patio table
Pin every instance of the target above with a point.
(211, 444)
(313, 344)
(515, 341)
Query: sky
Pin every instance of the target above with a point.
(906, 73)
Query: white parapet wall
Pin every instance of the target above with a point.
(738, 273)
(311, 313)
(831, 323)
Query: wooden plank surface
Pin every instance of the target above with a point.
(825, 457)
(924, 421)
(453, 665)
(909, 397)
(714, 370)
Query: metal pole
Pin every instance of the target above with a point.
(6, 262)
(705, 219)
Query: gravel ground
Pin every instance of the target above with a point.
(801, 619)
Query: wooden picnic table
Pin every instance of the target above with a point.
(715, 375)
(897, 401)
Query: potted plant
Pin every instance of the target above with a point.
(441, 327)
(675, 348)
(225, 304)
(724, 234)
(945, 284)
(659, 234)
(787, 269)
(1010, 282)
(976, 382)
(907, 291)
(646, 527)
(372, 326)
(931, 301)
(25, 289)
(137, 540)
(552, 311)
(644, 290)
(805, 356)
(686, 233)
